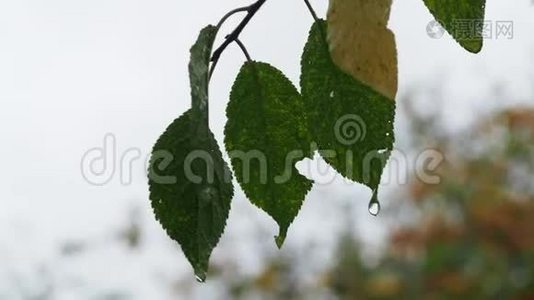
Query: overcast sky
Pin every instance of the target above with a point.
(72, 71)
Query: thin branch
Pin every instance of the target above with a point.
(245, 52)
(252, 10)
(219, 25)
(312, 11)
(231, 13)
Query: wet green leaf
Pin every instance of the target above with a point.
(190, 189)
(190, 184)
(463, 19)
(351, 122)
(266, 135)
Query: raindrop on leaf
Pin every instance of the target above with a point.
(207, 194)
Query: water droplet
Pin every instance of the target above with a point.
(332, 94)
(200, 279)
(207, 194)
(374, 208)
(374, 205)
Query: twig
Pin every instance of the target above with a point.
(252, 10)
(231, 13)
(243, 48)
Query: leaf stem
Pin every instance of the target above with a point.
(316, 19)
(243, 48)
(312, 11)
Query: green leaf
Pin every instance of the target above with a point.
(190, 184)
(190, 189)
(266, 135)
(351, 123)
(463, 19)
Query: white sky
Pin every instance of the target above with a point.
(72, 71)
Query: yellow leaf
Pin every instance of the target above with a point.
(362, 45)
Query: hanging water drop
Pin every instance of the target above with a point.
(374, 205)
(200, 279)
(374, 208)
